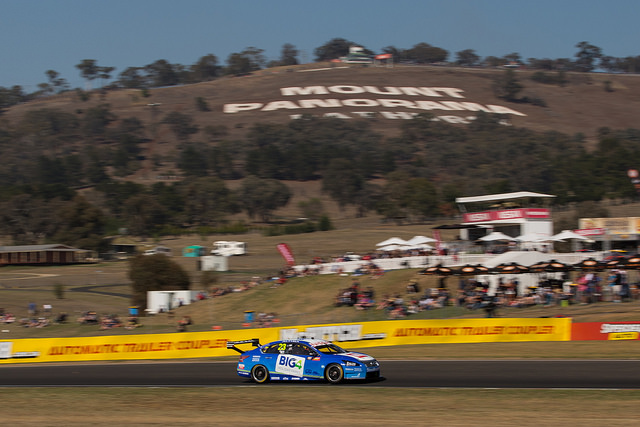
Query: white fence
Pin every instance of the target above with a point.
(447, 261)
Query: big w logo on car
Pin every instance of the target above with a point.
(290, 365)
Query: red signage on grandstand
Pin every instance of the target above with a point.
(532, 213)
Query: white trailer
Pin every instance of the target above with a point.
(162, 250)
(229, 248)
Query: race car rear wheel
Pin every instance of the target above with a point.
(259, 374)
(334, 373)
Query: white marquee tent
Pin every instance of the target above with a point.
(495, 236)
(568, 235)
(392, 241)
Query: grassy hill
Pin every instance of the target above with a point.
(584, 104)
(300, 301)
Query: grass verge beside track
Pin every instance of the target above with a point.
(297, 405)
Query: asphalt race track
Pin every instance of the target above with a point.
(593, 374)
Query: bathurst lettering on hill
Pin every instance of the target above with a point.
(402, 108)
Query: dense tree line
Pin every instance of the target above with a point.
(60, 179)
(209, 67)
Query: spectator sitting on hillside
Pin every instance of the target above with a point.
(343, 297)
(7, 318)
(42, 322)
(398, 310)
(364, 302)
(413, 307)
(88, 317)
(35, 322)
(412, 287)
(132, 323)
(386, 303)
(428, 303)
(376, 271)
(183, 323)
(110, 321)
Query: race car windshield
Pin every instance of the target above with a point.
(330, 349)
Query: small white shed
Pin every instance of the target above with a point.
(161, 301)
(214, 263)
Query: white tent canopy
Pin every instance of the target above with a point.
(392, 241)
(494, 236)
(568, 235)
(501, 197)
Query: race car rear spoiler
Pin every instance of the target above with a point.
(232, 344)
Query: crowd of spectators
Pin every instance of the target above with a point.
(354, 296)
(396, 306)
(34, 322)
(399, 306)
(586, 288)
(35, 318)
(471, 294)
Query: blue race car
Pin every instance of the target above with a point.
(303, 360)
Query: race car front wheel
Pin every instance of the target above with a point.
(334, 373)
(259, 374)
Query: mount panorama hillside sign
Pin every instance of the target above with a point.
(391, 102)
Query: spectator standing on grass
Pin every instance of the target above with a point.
(183, 323)
(489, 303)
(412, 287)
(625, 293)
(615, 285)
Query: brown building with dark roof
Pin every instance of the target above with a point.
(53, 254)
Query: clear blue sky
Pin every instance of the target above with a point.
(41, 35)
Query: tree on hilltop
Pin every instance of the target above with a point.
(249, 60)
(424, 53)
(206, 68)
(334, 49)
(586, 56)
(467, 58)
(89, 70)
(288, 55)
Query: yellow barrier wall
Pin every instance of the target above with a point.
(348, 335)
